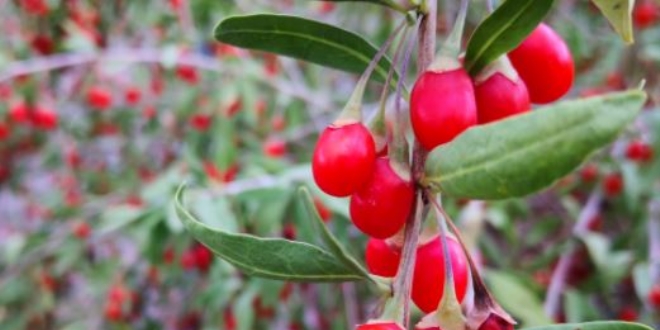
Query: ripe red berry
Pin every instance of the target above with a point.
(323, 210)
(628, 314)
(4, 131)
(203, 258)
(379, 326)
(545, 64)
(35, 7)
(344, 159)
(44, 118)
(19, 113)
(380, 208)
(613, 184)
(429, 278)
(42, 44)
(82, 230)
(188, 74)
(99, 98)
(188, 260)
(133, 95)
(382, 259)
(645, 14)
(495, 322)
(639, 151)
(654, 297)
(589, 173)
(113, 311)
(201, 121)
(274, 148)
(442, 106)
(500, 93)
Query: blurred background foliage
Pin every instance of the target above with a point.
(107, 106)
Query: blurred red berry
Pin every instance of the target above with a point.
(645, 14)
(99, 98)
(4, 131)
(133, 95)
(289, 231)
(589, 173)
(35, 7)
(82, 230)
(278, 123)
(19, 113)
(613, 184)
(639, 151)
(188, 74)
(201, 122)
(233, 107)
(628, 314)
(113, 311)
(44, 118)
(323, 210)
(42, 44)
(654, 297)
(274, 148)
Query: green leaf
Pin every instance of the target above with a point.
(503, 31)
(303, 39)
(600, 325)
(328, 238)
(518, 299)
(524, 154)
(272, 258)
(618, 12)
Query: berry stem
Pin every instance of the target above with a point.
(352, 112)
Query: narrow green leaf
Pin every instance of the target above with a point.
(515, 297)
(521, 155)
(272, 258)
(328, 238)
(303, 39)
(618, 12)
(599, 325)
(503, 31)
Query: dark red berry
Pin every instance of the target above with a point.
(133, 95)
(500, 94)
(442, 106)
(613, 184)
(654, 297)
(639, 151)
(429, 278)
(545, 64)
(380, 208)
(628, 314)
(382, 259)
(589, 173)
(495, 322)
(4, 131)
(344, 159)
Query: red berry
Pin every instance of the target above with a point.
(229, 318)
(82, 230)
(495, 322)
(323, 210)
(501, 94)
(344, 159)
(645, 14)
(654, 296)
(442, 106)
(545, 64)
(201, 121)
(19, 113)
(99, 98)
(274, 148)
(589, 173)
(628, 314)
(278, 123)
(4, 131)
(149, 112)
(203, 258)
(113, 311)
(42, 44)
(44, 118)
(429, 278)
(380, 208)
(35, 7)
(188, 74)
(133, 95)
(639, 151)
(117, 294)
(289, 231)
(382, 259)
(613, 184)
(326, 7)
(379, 326)
(188, 260)
(237, 104)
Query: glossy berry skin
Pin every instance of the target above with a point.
(654, 297)
(613, 184)
(645, 14)
(382, 259)
(379, 326)
(381, 207)
(429, 278)
(442, 106)
(545, 64)
(99, 98)
(344, 159)
(499, 97)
